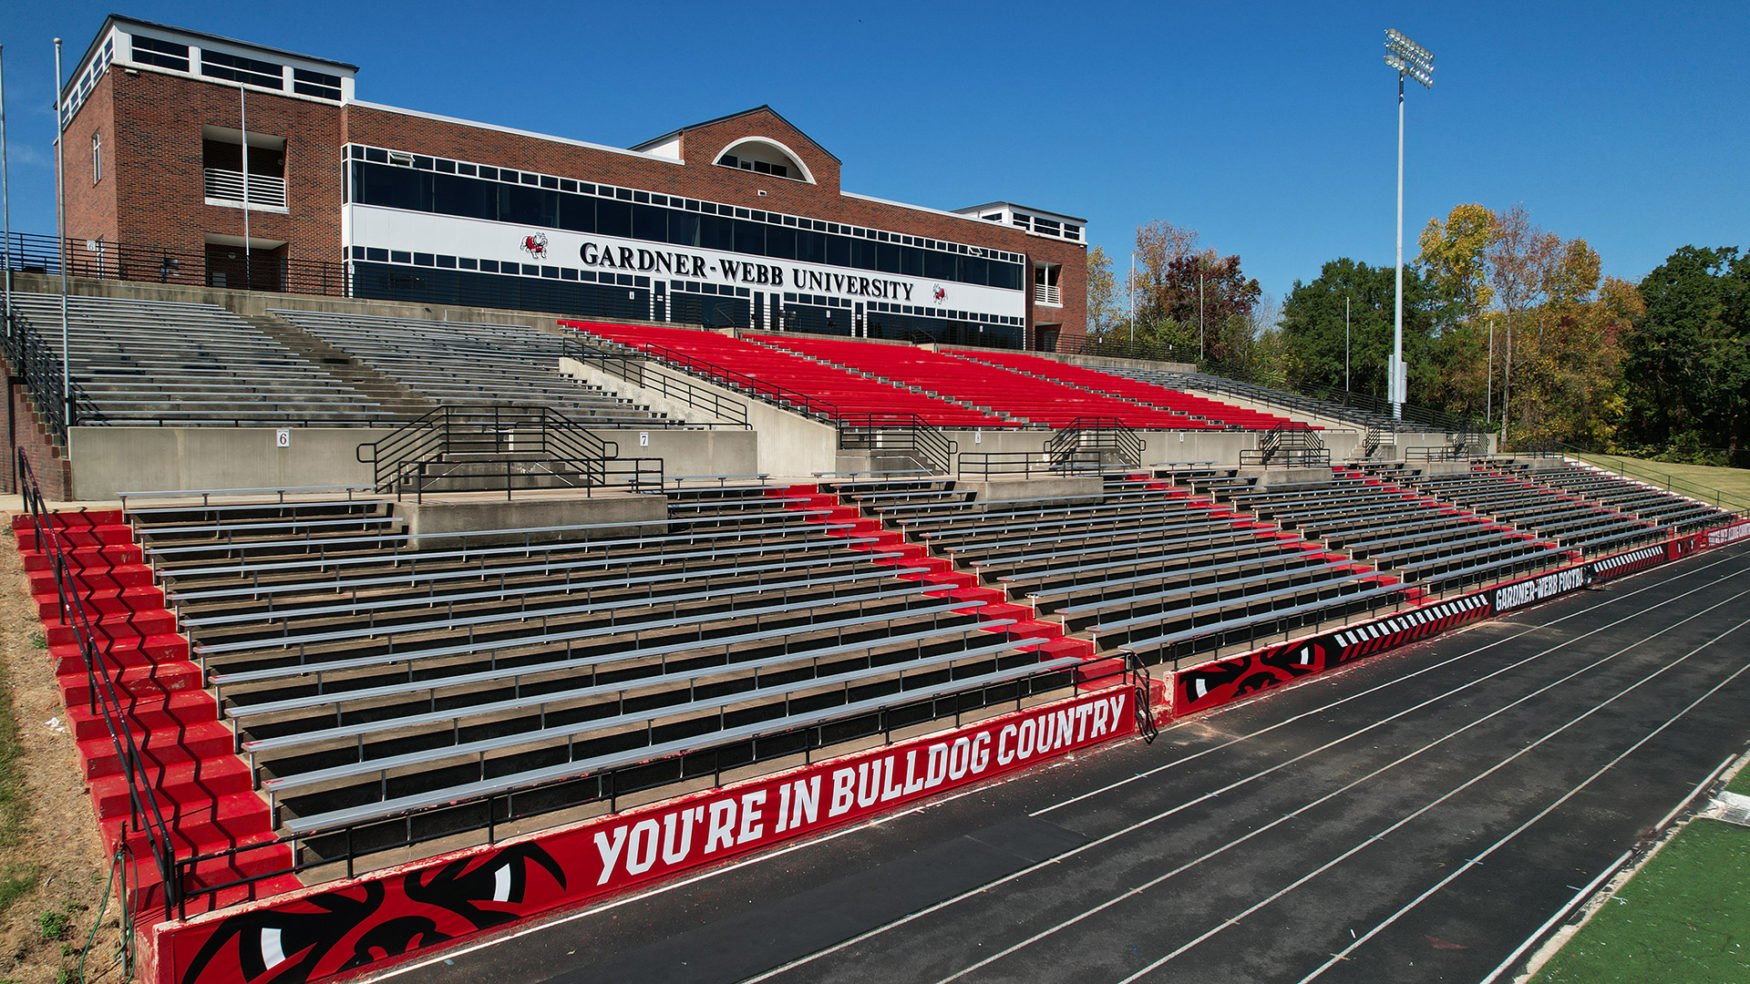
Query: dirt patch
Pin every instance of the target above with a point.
(52, 864)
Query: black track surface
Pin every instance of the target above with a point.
(1260, 843)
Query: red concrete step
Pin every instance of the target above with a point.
(130, 625)
(101, 602)
(165, 712)
(99, 577)
(1034, 627)
(158, 647)
(87, 557)
(114, 534)
(147, 890)
(197, 781)
(205, 740)
(139, 680)
(221, 823)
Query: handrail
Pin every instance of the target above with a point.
(1097, 433)
(506, 432)
(145, 816)
(899, 432)
(1025, 464)
(768, 391)
(648, 376)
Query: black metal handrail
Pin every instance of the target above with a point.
(1025, 464)
(1290, 447)
(765, 390)
(1625, 469)
(144, 814)
(901, 433)
(37, 359)
(1098, 434)
(504, 432)
(641, 372)
(101, 259)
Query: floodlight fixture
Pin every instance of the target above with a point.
(1411, 60)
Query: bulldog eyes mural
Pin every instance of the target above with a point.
(366, 923)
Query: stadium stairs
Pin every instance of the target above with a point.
(202, 787)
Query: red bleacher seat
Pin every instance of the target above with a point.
(834, 391)
(1130, 389)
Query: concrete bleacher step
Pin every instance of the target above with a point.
(179, 709)
(169, 747)
(183, 784)
(143, 679)
(146, 891)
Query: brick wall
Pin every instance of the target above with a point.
(54, 474)
(155, 120)
(91, 204)
(160, 195)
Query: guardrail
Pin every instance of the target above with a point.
(144, 814)
(642, 372)
(905, 434)
(1025, 464)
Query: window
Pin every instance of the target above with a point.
(308, 83)
(763, 157)
(1045, 285)
(222, 165)
(164, 54)
(235, 68)
(96, 157)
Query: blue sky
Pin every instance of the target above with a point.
(1268, 127)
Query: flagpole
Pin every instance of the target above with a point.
(61, 234)
(243, 123)
(5, 192)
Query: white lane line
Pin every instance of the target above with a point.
(1603, 876)
(1140, 824)
(1371, 690)
(1400, 823)
(1333, 794)
(444, 956)
(1539, 815)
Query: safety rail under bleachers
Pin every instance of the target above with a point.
(642, 372)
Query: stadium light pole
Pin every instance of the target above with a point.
(61, 234)
(1413, 60)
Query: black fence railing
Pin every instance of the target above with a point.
(36, 358)
(1288, 447)
(1025, 464)
(1105, 436)
(145, 818)
(501, 448)
(1637, 471)
(900, 434)
(223, 267)
(770, 392)
(647, 374)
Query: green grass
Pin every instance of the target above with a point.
(1734, 482)
(1683, 919)
(1741, 782)
(14, 802)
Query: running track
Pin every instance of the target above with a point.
(1413, 818)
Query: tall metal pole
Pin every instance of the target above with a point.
(61, 234)
(1397, 330)
(1345, 343)
(1489, 379)
(1200, 346)
(243, 123)
(1133, 299)
(5, 191)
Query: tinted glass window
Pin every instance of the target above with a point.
(750, 237)
(452, 195)
(781, 242)
(716, 232)
(887, 257)
(838, 250)
(683, 228)
(650, 222)
(974, 270)
(392, 187)
(613, 218)
(577, 213)
(911, 261)
(939, 266)
(811, 246)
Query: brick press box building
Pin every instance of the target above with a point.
(199, 159)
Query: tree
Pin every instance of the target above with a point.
(1313, 329)
(1521, 259)
(1103, 312)
(1687, 368)
(1454, 258)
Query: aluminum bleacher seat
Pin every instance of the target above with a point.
(454, 363)
(162, 363)
(365, 677)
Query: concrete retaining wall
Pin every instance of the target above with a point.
(111, 460)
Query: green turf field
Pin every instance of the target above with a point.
(1683, 919)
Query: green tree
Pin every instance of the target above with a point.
(1103, 312)
(1313, 329)
(1687, 369)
